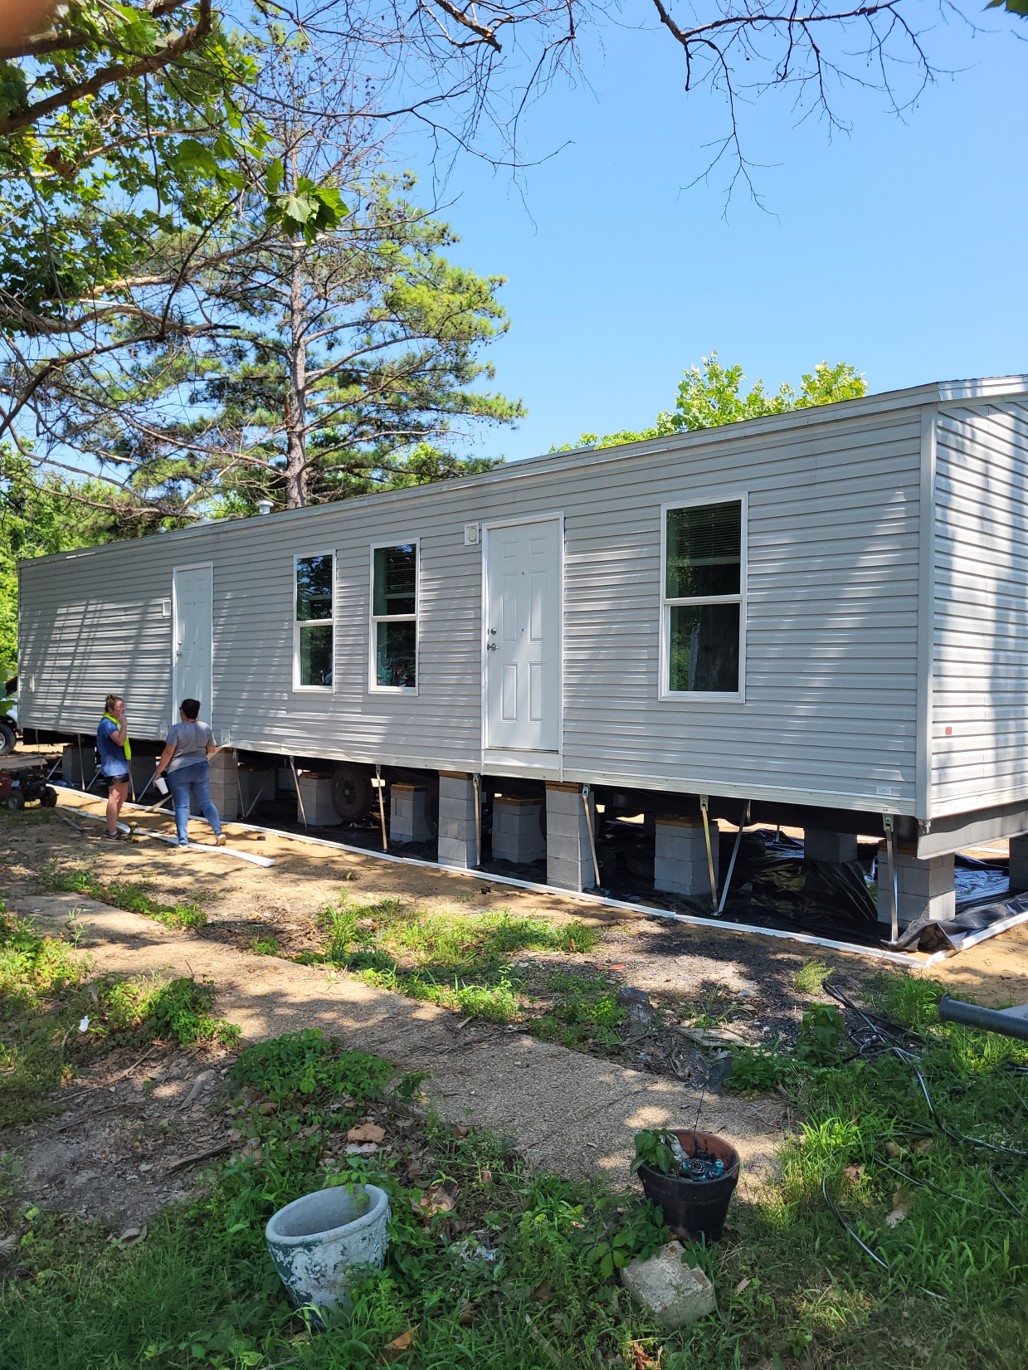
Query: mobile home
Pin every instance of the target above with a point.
(822, 614)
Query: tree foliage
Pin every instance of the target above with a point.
(313, 351)
(712, 394)
(136, 136)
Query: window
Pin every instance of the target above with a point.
(312, 645)
(394, 623)
(702, 613)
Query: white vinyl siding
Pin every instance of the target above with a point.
(830, 616)
(979, 745)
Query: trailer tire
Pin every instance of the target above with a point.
(351, 792)
(8, 739)
(48, 798)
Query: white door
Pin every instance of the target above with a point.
(523, 636)
(192, 677)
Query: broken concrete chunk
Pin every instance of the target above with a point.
(716, 1036)
(640, 1011)
(673, 1292)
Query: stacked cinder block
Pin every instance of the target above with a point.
(680, 856)
(517, 835)
(407, 813)
(834, 848)
(316, 809)
(569, 863)
(224, 786)
(924, 886)
(457, 829)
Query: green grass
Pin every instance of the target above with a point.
(154, 1007)
(466, 962)
(36, 973)
(794, 1290)
(810, 978)
(585, 1012)
(123, 895)
(54, 1019)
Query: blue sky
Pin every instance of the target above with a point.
(899, 248)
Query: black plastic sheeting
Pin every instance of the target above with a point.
(772, 885)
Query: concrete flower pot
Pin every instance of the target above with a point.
(314, 1241)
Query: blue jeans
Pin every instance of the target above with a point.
(192, 782)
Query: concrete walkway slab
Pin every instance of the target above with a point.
(567, 1112)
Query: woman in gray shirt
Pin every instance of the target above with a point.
(188, 745)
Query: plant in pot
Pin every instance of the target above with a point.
(690, 1175)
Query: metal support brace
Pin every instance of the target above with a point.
(592, 836)
(476, 785)
(888, 824)
(381, 806)
(735, 852)
(299, 795)
(246, 812)
(705, 813)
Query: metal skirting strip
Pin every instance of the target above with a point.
(911, 960)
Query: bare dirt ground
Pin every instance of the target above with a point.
(130, 1134)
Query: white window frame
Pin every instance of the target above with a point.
(375, 619)
(298, 626)
(666, 605)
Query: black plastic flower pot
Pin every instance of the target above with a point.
(695, 1210)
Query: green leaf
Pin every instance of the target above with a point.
(273, 173)
(191, 155)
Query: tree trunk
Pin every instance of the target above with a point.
(297, 480)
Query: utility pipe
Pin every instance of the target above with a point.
(1011, 1022)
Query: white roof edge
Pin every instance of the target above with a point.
(936, 392)
(991, 387)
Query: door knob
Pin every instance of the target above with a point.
(491, 647)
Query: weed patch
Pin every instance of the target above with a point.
(585, 1012)
(36, 976)
(810, 978)
(53, 1019)
(466, 963)
(153, 1007)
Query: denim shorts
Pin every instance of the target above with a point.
(113, 780)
